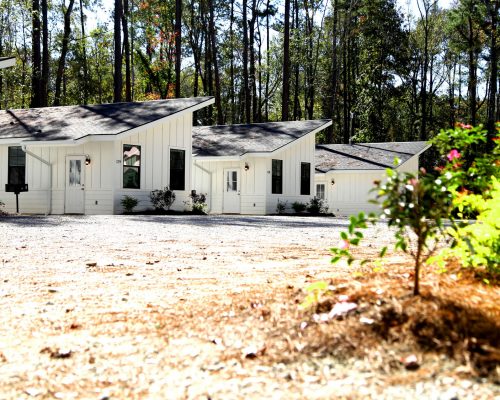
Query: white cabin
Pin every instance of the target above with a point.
(345, 173)
(85, 159)
(247, 169)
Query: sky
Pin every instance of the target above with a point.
(103, 13)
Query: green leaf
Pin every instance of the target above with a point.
(383, 251)
(343, 235)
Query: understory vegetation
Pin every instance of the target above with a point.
(448, 221)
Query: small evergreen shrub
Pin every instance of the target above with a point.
(198, 203)
(129, 203)
(281, 206)
(317, 206)
(162, 199)
(299, 207)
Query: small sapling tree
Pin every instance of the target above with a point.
(417, 208)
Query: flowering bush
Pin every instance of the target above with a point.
(466, 183)
(474, 184)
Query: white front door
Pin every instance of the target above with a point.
(75, 185)
(231, 201)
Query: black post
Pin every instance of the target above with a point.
(17, 202)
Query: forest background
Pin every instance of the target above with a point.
(380, 69)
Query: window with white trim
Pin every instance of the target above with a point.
(320, 191)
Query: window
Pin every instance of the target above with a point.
(320, 191)
(131, 166)
(16, 166)
(277, 177)
(177, 169)
(305, 178)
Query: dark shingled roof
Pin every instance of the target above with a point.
(365, 156)
(236, 140)
(75, 122)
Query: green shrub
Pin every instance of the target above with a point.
(129, 203)
(299, 207)
(281, 206)
(2, 205)
(317, 206)
(198, 203)
(162, 199)
(477, 244)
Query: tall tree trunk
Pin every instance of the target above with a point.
(45, 55)
(231, 66)
(126, 46)
(253, 77)
(493, 10)
(286, 65)
(334, 76)
(472, 84)
(258, 103)
(178, 46)
(213, 36)
(85, 85)
(296, 104)
(64, 51)
(268, 72)
(345, 71)
(246, 87)
(424, 15)
(117, 72)
(36, 78)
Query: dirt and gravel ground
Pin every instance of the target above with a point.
(174, 307)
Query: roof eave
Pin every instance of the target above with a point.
(216, 158)
(291, 143)
(415, 155)
(7, 62)
(48, 143)
(137, 129)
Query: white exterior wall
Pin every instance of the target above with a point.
(156, 142)
(98, 182)
(208, 178)
(301, 151)
(255, 189)
(351, 192)
(104, 175)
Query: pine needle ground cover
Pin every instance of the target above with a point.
(210, 307)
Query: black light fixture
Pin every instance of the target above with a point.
(87, 160)
(333, 181)
(247, 167)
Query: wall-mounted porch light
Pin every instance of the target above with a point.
(333, 182)
(247, 167)
(87, 160)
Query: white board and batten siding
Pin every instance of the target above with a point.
(351, 193)
(156, 143)
(103, 189)
(209, 177)
(98, 183)
(301, 151)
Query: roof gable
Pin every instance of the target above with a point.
(365, 156)
(76, 122)
(237, 140)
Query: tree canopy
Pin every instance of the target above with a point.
(377, 72)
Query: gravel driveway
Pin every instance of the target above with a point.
(104, 307)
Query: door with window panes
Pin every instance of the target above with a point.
(232, 198)
(74, 202)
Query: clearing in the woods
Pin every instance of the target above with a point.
(208, 307)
